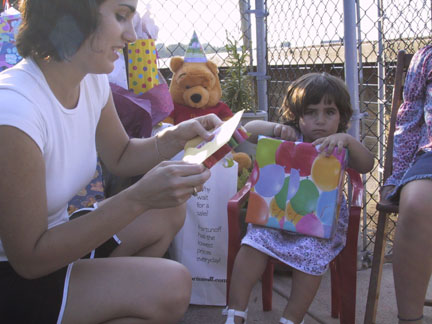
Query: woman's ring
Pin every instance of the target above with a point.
(194, 192)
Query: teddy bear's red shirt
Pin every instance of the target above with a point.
(182, 113)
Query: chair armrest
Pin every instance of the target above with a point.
(234, 208)
(356, 199)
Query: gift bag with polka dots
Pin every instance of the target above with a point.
(142, 66)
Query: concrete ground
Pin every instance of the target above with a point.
(319, 311)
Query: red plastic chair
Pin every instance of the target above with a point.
(343, 268)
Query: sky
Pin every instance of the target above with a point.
(296, 21)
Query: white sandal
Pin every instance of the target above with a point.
(232, 312)
(283, 320)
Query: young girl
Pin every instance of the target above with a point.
(317, 110)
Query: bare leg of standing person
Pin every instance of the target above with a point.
(412, 259)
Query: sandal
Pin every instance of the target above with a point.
(283, 320)
(231, 313)
(410, 319)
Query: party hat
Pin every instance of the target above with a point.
(195, 52)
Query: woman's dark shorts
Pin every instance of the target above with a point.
(41, 300)
(419, 170)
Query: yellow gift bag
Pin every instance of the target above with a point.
(142, 66)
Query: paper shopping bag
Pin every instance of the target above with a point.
(10, 20)
(142, 66)
(202, 244)
(296, 188)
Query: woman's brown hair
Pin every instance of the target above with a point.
(56, 29)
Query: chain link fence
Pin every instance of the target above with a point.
(308, 36)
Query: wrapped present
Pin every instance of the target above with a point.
(142, 66)
(10, 20)
(296, 188)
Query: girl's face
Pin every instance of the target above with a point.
(115, 30)
(319, 120)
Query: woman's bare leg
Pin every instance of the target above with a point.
(127, 290)
(303, 290)
(151, 233)
(124, 289)
(249, 265)
(412, 259)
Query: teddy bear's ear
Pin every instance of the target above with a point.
(213, 67)
(176, 63)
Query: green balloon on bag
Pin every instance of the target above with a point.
(305, 200)
(266, 151)
(281, 197)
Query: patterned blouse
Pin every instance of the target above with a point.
(413, 132)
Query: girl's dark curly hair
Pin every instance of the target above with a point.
(56, 29)
(310, 89)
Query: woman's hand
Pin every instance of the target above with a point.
(168, 184)
(384, 192)
(173, 139)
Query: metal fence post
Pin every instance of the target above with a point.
(261, 48)
(351, 72)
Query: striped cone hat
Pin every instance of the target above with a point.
(195, 52)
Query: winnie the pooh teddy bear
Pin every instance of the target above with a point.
(196, 91)
(195, 87)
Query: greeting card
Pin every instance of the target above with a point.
(226, 137)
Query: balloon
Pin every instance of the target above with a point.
(281, 197)
(265, 151)
(275, 211)
(254, 174)
(328, 231)
(293, 183)
(287, 225)
(305, 199)
(304, 155)
(291, 215)
(326, 172)
(284, 155)
(271, 180)
(327, 206)
(273, 222)
(257, 211)
(289, 189)
(310, 225)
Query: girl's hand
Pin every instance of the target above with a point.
(284, 132)
(339, 140)
(168, 184)
(359, 157)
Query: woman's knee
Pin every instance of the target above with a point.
(415, 201)
(178, 220)
(176, 292)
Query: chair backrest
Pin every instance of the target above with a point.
(403, 61)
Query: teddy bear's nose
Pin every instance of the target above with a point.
(196, 97)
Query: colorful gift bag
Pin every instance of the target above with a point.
(9, 23)
(296, 188)
(142, 66)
